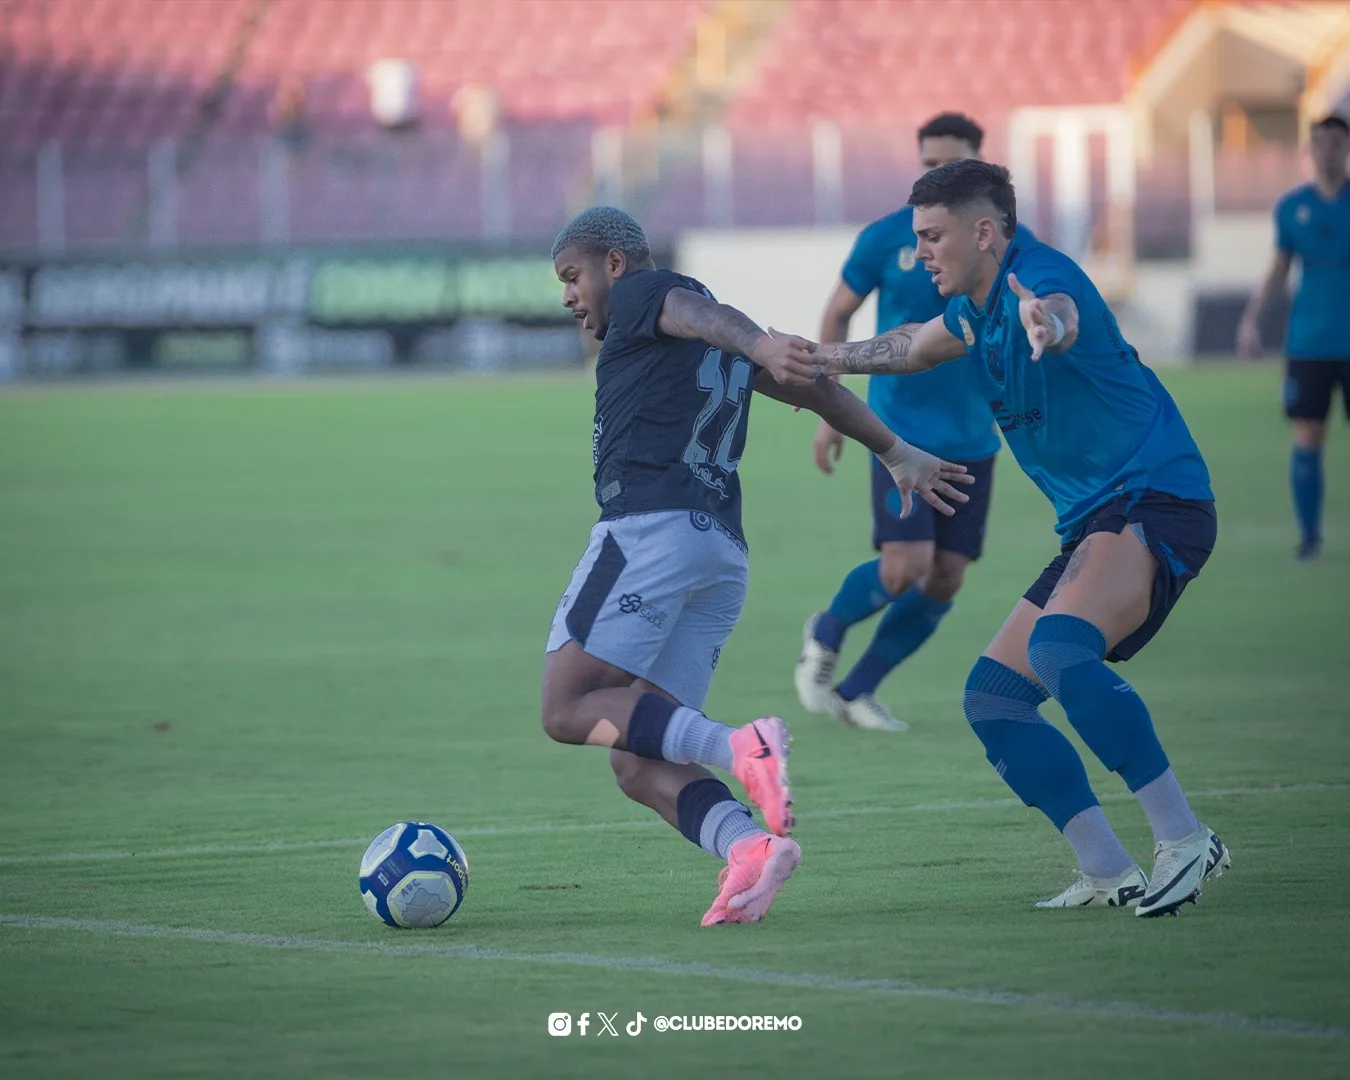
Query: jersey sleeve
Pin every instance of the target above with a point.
(863, 268)
(635, 303)
(1047, 271)
(1284, 233)
(951, 317)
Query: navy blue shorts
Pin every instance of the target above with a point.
(1309, 386)
(962, 533)
(1179, 532)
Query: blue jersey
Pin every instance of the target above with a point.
(1318, 232)
(941, 410)
(1087, 424)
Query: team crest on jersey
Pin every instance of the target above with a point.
(907, 258)
(993, 363)
(966, 331)
(1303, 214)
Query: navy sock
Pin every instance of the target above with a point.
(861, 595)
(1305, 480)
(907, 624)
(1031, 755)
(710, 817)
(1066, 653)
(647, 726)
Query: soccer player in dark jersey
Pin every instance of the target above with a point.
(923, 556)
(1312, 224)
(1103, 440)
(660, 586)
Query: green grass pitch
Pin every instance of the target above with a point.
(243, 629)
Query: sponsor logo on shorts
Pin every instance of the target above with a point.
(633, 604)
(717, 655)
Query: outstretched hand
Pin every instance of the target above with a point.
(932, 478)
(1036, 320)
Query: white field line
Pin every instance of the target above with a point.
(525, 829)
(1040, 1003)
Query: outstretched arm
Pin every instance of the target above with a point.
(913, 470)
(1051, 322)
(844, 303)
(905, 350)
(690, 315)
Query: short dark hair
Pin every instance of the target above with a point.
(957, 125)
(960, 184)
(603, 229)
(1332, 120)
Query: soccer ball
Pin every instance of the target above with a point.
(414, 874)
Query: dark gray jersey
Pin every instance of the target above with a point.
(670, 414)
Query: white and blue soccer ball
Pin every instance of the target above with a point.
(414, 874)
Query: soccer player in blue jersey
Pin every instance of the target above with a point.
(923, 556)
(641, 627)
(1103, 440)
(1312, 224)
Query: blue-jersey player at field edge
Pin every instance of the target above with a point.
(1312, 224)
(652, 602)
(923, 556)
(1101, 437)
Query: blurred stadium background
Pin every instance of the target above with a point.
(298, 185)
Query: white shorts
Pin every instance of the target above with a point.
(658, 596)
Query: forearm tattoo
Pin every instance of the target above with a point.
(888, 354)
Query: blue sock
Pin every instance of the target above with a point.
(1066, 653)
(1031, 755)
(1305, 480)
(710, 816)
(907, 624)
(861, 595)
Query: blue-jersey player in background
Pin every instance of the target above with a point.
(1101, 437)
(924, 555)
(1312, 223)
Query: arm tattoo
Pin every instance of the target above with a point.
(686, 314)
(1062, 305)
(887, 354)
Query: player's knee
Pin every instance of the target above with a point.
(1060, 642)
(557, 719)
(944, 580)
(898, 572)
(1309, 434)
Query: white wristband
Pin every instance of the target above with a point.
(1059, 331)
(895, 456)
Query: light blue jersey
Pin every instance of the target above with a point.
(1087, 424)
(1317, 231)
(941, 410)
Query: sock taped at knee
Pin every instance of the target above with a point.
(1059, 642)
(1030, 754)
(1066, 653)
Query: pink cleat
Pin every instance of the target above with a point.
(759, 761)
(757, 868)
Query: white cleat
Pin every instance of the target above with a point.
(1180, 870)
(864, 711)
(815, 671)
(1124, 891)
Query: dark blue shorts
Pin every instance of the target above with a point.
(1179, 532)
(962, 533)
(1309, 386)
